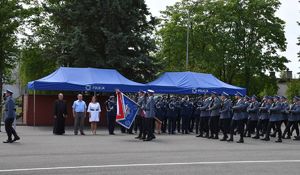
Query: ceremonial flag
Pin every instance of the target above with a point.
(126, 110)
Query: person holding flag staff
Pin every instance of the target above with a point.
(111, 114)
(149, 117)
(141, 114)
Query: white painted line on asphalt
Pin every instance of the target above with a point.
(151, 164)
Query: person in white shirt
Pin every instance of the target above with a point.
(94, 110)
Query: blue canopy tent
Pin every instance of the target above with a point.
(191, 83)
(85, 79)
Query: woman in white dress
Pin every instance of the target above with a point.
(94, 110)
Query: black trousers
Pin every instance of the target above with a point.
(185, 124)
(225, 126)
(171, 125)
(204, 125)
(251, 125)
(111, 123)
(192, 123)
(288, 128)
(239, 124)
(178, 123)
(139, 125)
(277, 126)
(164, 124)
(9, 129)
(214, 125)
(197, 123)
(148, 132)
(262, 126)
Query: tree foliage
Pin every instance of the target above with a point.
(293, 89)
(235, 40)
(97, 33)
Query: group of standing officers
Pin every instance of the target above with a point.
(209, 114)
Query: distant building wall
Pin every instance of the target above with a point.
(282, 88)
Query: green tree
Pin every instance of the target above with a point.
(98, 33)
(293, 89)
(235, 40)
(12, 16)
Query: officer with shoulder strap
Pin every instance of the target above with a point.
(9, 117)
(237, 119)
(225, 115)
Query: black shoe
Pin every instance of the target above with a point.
(224, 139)
(138, 137)
(75, 133)
(210, 137)
(148, 139)
(16, 138)
(256, 137)
(82, 133)
(8, 141)
(240, 141)
(216, 137)
(111, 133)
(200, 135)
(272, 135)
(230, 140)
(265, 139)
(288, 137)
(278, 141)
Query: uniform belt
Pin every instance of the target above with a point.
(79, 112)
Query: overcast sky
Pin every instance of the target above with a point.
(289, 12)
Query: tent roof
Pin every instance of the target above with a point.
(85, 79)
(192, 83)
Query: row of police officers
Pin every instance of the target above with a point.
(245, 116)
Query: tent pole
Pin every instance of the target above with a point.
(34, 108)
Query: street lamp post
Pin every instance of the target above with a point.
(187, 42)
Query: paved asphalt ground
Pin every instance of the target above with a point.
(39, 152)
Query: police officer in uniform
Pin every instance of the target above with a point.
(275, 119)
(204, 117)
(214, 109)
(178, 112)
(111, 112)
(164, 114)
(252, 110)
(263, 117)
(149, 117)
(285, 105)
(225, 115)
(185, 113)
(197, 111)
(237, 119)
(140, 114)
(9, 117)
(293, 112)
(171, 115)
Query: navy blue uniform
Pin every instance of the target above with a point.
(111, 113)
(185, 113)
